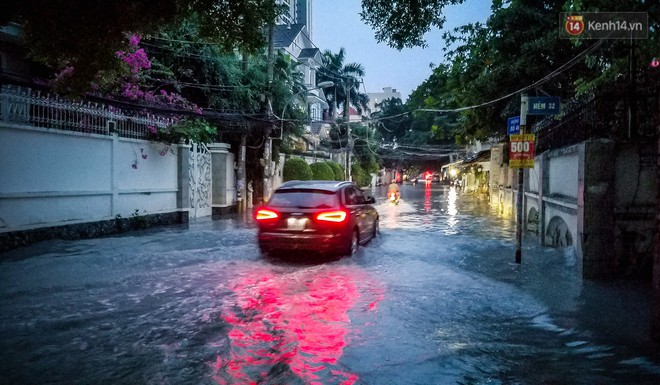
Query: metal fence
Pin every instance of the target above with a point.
(615, 113)
(22, 105)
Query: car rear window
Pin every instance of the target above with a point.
(309, 199)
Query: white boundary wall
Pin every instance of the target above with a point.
(52, 177)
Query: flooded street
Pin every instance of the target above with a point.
(436, 299)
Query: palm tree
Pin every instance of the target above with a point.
(288, 92)
(289, 72)
(345, 77)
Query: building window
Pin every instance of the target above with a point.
(315, 113)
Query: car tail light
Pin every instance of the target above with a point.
(332, 216)
(266, 214)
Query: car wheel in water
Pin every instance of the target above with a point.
(376, 229)
(354, 244)
(263, 250)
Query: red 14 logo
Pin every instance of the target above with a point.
(574, 25)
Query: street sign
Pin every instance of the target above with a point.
(543, 105)
(521, 153)
(513, 125)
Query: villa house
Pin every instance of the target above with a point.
(292, 36)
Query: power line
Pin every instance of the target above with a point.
(181, 41)
(569, 64)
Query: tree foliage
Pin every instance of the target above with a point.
(402, 24)
(346, 79)
(186, 131)
(359, 175)
(519, 48)
(393, 120)
(86, 34)
(365, 147)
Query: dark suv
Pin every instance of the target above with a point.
(319, 216)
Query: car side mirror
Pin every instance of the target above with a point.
(370, 200)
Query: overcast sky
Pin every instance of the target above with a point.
(336, 24)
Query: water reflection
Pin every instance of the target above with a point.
(289, 322)
(452, 211)
(443, 209)
(427, 198)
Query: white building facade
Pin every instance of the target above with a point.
(378, 97)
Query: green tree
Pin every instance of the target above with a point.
(346, 78)
(612, 61)
(491, 60)
(86, 34)
(296, 169)
(437, 94)
(359, 175)
(289, 95)
(365, 148)
(393, 120)
(403, 24)
(188, 131)
(518, 46)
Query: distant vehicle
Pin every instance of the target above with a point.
(317, 216)
(436, 178)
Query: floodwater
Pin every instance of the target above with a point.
(435, 299)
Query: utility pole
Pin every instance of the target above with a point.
(268, 144)
(347, 115)
(632, 91)
(240, 183)
(521, 176)
(655, 307)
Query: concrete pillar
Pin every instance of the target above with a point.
(241, 183)
(544, 186)
(494, 176)
(219, 178)
(655, 310)
(183, 177)
(182, 182)
(595, 222)
(114, 183)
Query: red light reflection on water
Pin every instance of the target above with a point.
(298, 318)
(427, 198)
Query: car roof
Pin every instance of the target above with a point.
(324, 185)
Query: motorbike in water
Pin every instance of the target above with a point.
(393, 198)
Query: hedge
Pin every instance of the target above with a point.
(337, 170)
(321, 171)
(296, 169)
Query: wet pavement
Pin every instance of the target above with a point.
(435, 299)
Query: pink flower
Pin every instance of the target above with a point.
(135, 40)
(64, 73)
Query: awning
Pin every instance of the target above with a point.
(481, 156)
